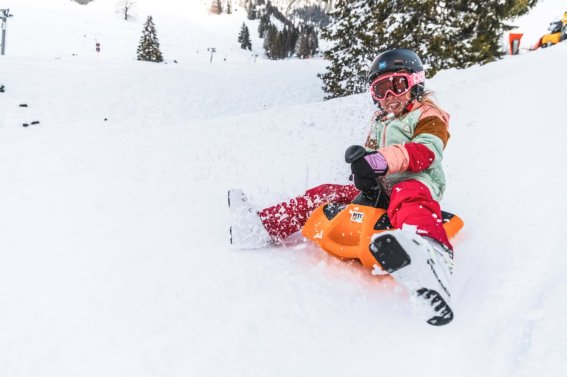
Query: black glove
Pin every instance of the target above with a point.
(364, 174)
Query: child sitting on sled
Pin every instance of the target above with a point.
(403, 150)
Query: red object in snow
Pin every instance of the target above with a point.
(514, 39)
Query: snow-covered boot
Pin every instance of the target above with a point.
(246, 228)
(422, 265)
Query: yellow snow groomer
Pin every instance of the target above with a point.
(557, 32)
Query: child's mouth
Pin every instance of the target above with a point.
(393, 105)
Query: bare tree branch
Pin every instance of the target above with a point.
(125, 6)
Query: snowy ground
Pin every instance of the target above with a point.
(113, 234)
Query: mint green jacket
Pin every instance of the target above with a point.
(425, 124)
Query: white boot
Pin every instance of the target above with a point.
(422, 265)
(246, 228)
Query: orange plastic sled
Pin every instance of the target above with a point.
(345, 230)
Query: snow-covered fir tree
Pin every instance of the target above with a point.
(312, 15)
(279, 41)
(313, 41)
(244, 38)
(444, 34)
(148, 49)
(273, 43)
(288, 6)
(308, 43)
(352, 47)
(251, 11)
(290, 36)
(280, 44)
(302, 50)
(480, 26)
(263, 25)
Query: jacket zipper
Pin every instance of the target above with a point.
(384, 135)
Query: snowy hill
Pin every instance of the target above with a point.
(113, 244)
(185, 31)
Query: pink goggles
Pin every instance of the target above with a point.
(397, 84)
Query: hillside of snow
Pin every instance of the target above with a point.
(114, 255)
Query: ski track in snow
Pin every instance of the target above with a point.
(113, 250)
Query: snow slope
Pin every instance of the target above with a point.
(113, 234)
(62, 28)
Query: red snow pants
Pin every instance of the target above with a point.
(284, 219)
(410, 203)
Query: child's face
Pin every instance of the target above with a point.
(395, 104)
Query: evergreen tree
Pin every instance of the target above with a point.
(216, 7)
(279, 48)
(274, 43)
(351, 49)
(264, 25)
(278, 44)
(312, 14)
(148, 49)
(244, 38)
(312, 40)
(290, 40)
(228, 7)
(480, 26)
(446, 34)
(457, 33)
(294, 37)
(270, 40)
(302, 47)
(241, 33)
(286, 39)
(251, 11)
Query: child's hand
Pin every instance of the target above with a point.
(363, 183)
(372, 161)
(365, 166)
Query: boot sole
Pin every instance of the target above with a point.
(392, 257)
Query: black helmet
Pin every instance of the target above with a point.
(395, 60)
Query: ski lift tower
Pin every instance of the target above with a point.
(4, 14)
(212, 50)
